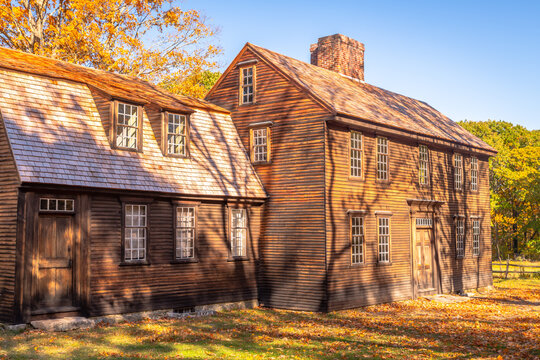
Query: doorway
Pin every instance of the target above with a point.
(424, 255)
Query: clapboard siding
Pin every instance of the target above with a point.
(8, 227)
(350, 286)
(292, 271)
(115, 288)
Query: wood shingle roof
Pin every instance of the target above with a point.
(357, 99)
(58, 137)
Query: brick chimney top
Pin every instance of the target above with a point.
(339, 53)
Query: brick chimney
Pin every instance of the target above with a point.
(339, 53)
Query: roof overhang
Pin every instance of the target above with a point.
(370, 126)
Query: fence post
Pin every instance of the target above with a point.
(507, 265)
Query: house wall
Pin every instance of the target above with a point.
(116, 288)
(8, 227)
(351, 286)
(292, 271)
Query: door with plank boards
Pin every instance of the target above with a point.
(423, 250)
(53, 289)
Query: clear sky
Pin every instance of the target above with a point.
(473, 60)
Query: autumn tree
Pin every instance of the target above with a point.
(149, 39)
(515, 185)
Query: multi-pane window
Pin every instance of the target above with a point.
(476, 237)
(260, 145)
(56, 205)
(356, 153)
(458, 171)
(247, 88)
(185, 232)
(382, 158)
(384, 239)
(135, 232)
(238, 232)
(357, 239)
(127, 126)
(474, 173)
(176, 134)
(460, 237)
(423, 164)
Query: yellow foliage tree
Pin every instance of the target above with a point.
(149, 39)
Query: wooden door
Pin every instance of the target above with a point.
(424, 259)
(54, 273)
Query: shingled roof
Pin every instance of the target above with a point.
(58, 137)
(354, 98)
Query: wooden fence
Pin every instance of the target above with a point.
(520, 269)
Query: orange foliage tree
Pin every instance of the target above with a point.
(149, 39)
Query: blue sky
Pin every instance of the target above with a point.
(473, 60)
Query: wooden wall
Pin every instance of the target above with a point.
(350, 286)
(8, 227)
(116, 288)
(292, 272)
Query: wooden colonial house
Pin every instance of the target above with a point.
(372, 196)
(116, 196)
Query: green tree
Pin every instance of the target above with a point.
(515, 186)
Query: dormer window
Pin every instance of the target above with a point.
(128, 126)
(247, 85)
(176, 138)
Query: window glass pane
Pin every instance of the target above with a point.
(127, 125)
(356, 153)
(135, 232)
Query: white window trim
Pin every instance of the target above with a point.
(255, 146)
(179, 246)
(459, 226)
(476, 236)
(117, 126)
(380, 156)
(128, 229)
(458, 171)
(356, 154)
(387, 259)
(474, 173)
(357, 240)
(236, 250)
(423, 174)
(244, 86)
(185, 135)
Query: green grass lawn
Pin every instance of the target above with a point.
(502, 323)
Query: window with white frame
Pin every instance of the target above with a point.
(384, 239)
(247, 87)
(176, 134)
(56, 205)
(458, 171)
(127, 126)
(382, 158)
(474, 173)
(460, 237)
(185, 232)
(357, 239)
(476, 236)
(356, 153)
(238, 232)
(423, 164)
(260, 145)
(135, 232)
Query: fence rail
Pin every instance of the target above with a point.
(521, 269)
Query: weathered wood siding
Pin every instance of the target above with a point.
(8, 227)
(351, 286)
(292, 271)
(116, 288)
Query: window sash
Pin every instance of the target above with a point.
(177, 134)
(260, 145)
(382, 158)
(460, 238)
(458, 171)
(476, 237)
(185, 232)
(247, 85)
(384, 240)
(356, 154)
(238, 233)
(127, 126)
(357, 240)
(56, 205)
(135, 232)
(423, 164)
(474, 173)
